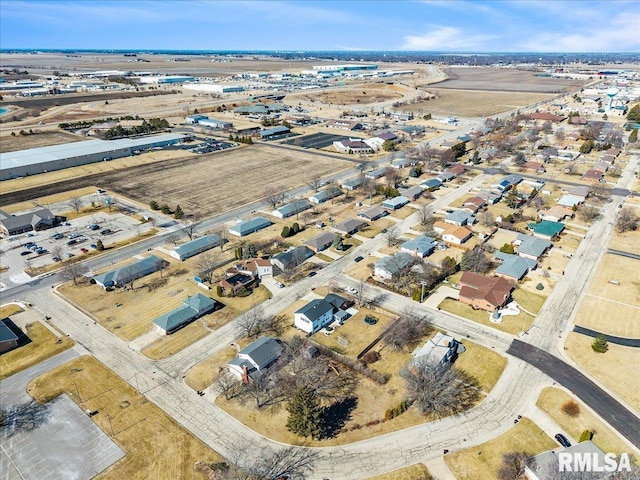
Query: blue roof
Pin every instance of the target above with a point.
(432, 183)
(250, 226)
(422, 245)
(198, 245)
(395, 202)
(192, 308)
(327, 194)
(514, 266)
(274, 131)
(130, 272)
(6, 335)
(293, 208)
(459, 216)
(534, 246)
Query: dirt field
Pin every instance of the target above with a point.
(473, 103)
(43, 139)
(505, 80)
(614, 369)
(141, 429)
(364, 94)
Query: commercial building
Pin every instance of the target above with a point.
(123, 275)
(213, 87)
(159, 80)
(194, 247)
(33, 161)
(27, 222)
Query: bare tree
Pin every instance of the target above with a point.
(56, 251)
(315, 183)
(227, 385)
(361, 295)
(362, 166)
(190, 228)
(206, 265)
(75, 203)
(391, 235)
(486, 218)
(627, 220)
(407, 331)
(513, 465)
(272, 196)
(250, 321)
(425, 216)
(293, 463)
(476, 136)
(73, 271)
(392, 177)
(588, 213)
(368, 187)
(559, 134)
(439, 390)
(475, 260)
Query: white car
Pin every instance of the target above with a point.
(279, 285)
(351, 290)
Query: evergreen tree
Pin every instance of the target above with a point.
(305, 414)
(249, 252)
(99, 245)
(600, 344)
(178, 213)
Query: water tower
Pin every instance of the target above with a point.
(612, 92)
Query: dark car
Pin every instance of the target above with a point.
(26, 252)
(370, 320)
(312, 274)
(72, 242)
(58, 236)
(358, 259)
(562, 440)
(106, 231)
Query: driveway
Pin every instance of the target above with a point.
(439, 295)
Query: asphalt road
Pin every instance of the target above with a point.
(625, 422)
(627, 342)
(624, 254)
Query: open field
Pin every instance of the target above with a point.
(140, 428)
(510, 323)
(414, 472)
(364, 94)
(167, 345)
(49, 200)
(624, 270)
(44, 344)
(483, 461)
(614, 369)
(627, 241)
(551, 401)
(470, 103)
(9, 143)
(530, 301)
(9, 309)
(505, 80)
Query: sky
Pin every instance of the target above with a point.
(398, 25)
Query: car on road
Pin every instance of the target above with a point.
(31, 234)
(84, 250)
(384, 230)
(562, 440)
(351, 290)
(370, 320)
(58, 236)
(312, 274)
(55, 259)
(358, 259)
(26, 252)
(279, 285)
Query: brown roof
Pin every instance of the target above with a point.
(459, 232)
(593, 174)
(477, 201)
(577, 121)
(613, 151)
(533, 165)
(495, 290)
(457, 169)
(545, 116)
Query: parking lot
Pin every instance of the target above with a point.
(211, 145)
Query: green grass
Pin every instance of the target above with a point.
(324, 258)
(530, 301)
(482, 363)
(512, 324)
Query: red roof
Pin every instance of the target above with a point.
(495, 290)
(545, 116)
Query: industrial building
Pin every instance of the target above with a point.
(167, 79)
(57, 157)
(213, 87)
(194, 247)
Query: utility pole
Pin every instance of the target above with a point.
(423, 283)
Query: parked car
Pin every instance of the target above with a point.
(94, 246)
(351, 290)
(69, 255)
(562, 440)
(327, 330)
(55, 259)
(31, 234)
(279, 285)
(34, 247)
(94, 227)
(84, 250)
(72, 242)
(106, 231)
(370, 320)
(41, 251)
(358, 259)
(75, 235)
(58, 236)
(312, 274)
(26, 252)
(29, 244)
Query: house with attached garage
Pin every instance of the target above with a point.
(321, 242)
(460, 218)
(440, 351)
(247, 227)
(291, 258)
(513, 266)
(325, 195)
(412, 193)
(373, 213)
(291, 209)
(395, 203)
(378, 173)
(531, 247)
(255, 358)
(320, 312)
(546, 229)
(419, 247)
(486, 293)
(194, 247)
(391, 266)
(349, 226)
(193, 308)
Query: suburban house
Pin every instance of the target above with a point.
(514, 266)
(353, 145)
(580, 191)
(389, 267)
(411, 193)
(257, 267)
(321, 242)
(545, 116)
(486, 293)
(490, 197)
(445, 177)
(193, 308)
(533, 167)
(344, 124)
(531, 247)
(593, 175)
(556, 213)
(375, 174)
(39, 220)
(460, 218)
(570, 201)
(395, 203)
(325, 195)
(291, 258)
(402, 163)
(373, 213)
(247, 227)
(349, 226)
(320, 312)
(457, 169)
(378, 141)
(129, 273)
(431, 184)
(419, 247)
(473, 204)
(453, 234)
(235, 281)
(546, 229)
(440, 351)
(8, 339)
(255, 358)
(351, 184)
(546, 465)
(194, 247)
(291, 209)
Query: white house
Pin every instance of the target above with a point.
(255, 358)
(314, 316)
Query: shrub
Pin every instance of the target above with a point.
(371, 357)
(398, 410)
(507, 248)
(600, 344)
(154, 205)
(219, 291)
(570, 408)
(586, 435)
(286, 232)
(295, 228)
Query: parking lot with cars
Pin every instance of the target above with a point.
(211, 145)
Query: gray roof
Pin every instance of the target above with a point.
(513, 179)
(6, 335)
(336, 300)
(459, 216)
(422, 245)
(130, 272)
(531, 245)
(25, 220)
(432, 182)
(514, 266)
(198, 245)
(315, 309)
(373, 213)
(395, 263)
(327, 194)
(352, 182)
(192, 308)
(376, 173)
(400, 162)
(293, 208)
(395, 201)
(319, 242)
(349, 225)
(411, 192)
(263, 351)
(274, 131)
(34, 156)
(547, 463)
(250, 226)
(293, 256)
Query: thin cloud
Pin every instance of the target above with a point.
(446, 38)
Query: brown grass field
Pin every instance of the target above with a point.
(511, 323)
(167, 345)
(44, 344)
(483, 461)
(414, 472)
(9, 143)
(551, 400)
(364, 94)
(614, 369)
(155, 445)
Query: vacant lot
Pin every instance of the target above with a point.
(614, 369)
(140, 428)
(484, 460)
(473, 103)
(551, 401)
(506, 80)
(364, 94)
(43, 139)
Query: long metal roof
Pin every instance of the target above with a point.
(34, 156)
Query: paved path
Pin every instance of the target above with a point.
(624, 254)
(627, 342)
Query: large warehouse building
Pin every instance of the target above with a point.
(213, 87)
(57, 157)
